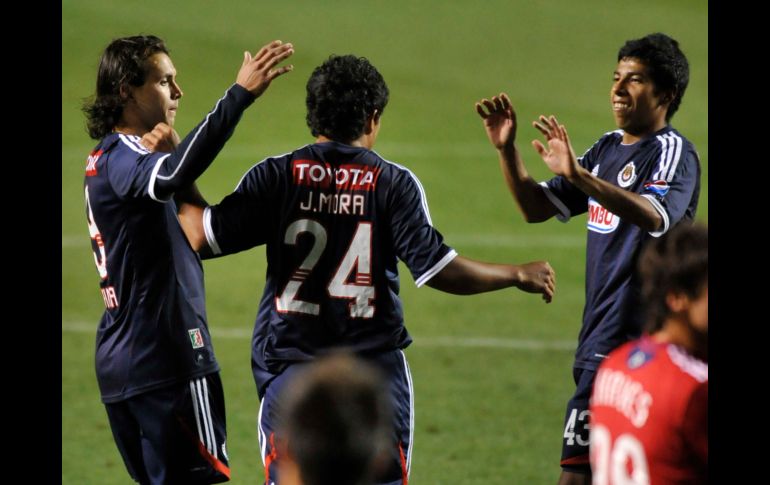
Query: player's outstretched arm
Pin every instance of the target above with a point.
(190, 208)
(560, 159)
(500, 124)
(198, 149)
(463, 276)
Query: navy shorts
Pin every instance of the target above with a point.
(175, 434)
(574, 450)
(395, 368)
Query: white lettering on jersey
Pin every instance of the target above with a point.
(600, 219)
(109, 297)
(348, 204)
(617, 390)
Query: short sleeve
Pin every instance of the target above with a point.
(568, 199)
(133, 169)
(418, 244)
(242, 219)
(673, 184)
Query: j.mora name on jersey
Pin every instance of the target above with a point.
(352, 204)
(350, 177)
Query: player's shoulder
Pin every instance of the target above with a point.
(396, 169)
(274, 164)
(608, 139)
(633, 355)
(687, 364)
(670, 141)
(127, 144)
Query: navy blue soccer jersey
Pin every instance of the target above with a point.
(665, 169)
(335, 219)
(154, 331)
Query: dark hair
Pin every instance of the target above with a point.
(677, 262)
(667, 65)
(341, 94)
(123, 62)
(335, 421)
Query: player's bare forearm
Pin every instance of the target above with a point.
(627, 205)
(528, 194)
(190, 212)
(463, 276)
(499, 119)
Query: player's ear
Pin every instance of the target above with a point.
(371, 122)
(125, 91)
(677, 301)
(667, 97)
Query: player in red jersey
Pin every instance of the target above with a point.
(649, 407)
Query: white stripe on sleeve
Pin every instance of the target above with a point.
(663, 214)
(153, 177)
(677, 155)
(564, 213)
(448, 257)
(209, 232)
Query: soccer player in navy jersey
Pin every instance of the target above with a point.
(155, 365)
(635, 183)
(649, 407)
(336, 217)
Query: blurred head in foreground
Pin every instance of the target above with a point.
(335, 424)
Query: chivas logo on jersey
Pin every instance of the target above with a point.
(627, 176)
(91, 163)
(600, 219)
(196, 338)
(350, 176)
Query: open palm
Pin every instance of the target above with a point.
(559, 156)
(499, 120)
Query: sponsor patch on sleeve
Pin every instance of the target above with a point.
(659, 187)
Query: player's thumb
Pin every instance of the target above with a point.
(539, 148)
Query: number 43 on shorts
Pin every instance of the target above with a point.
(577, 418)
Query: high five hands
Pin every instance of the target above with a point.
(500, 125)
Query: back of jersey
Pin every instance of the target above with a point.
(335, 219)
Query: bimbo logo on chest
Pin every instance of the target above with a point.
(600, 219)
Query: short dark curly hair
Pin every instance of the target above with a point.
(341, 94)
(667, 64)
(677, 262)
(124, 62)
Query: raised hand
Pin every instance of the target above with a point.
(258, 72)
(537, 277)
(499, 120)
(559, 156)
(162, 138)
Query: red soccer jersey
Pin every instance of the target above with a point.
(649, 416)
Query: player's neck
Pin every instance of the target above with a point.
(634, 135)
(677, 332)
(362, 141)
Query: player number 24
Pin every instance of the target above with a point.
(358, 257)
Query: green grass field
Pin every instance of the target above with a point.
(487, 411)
